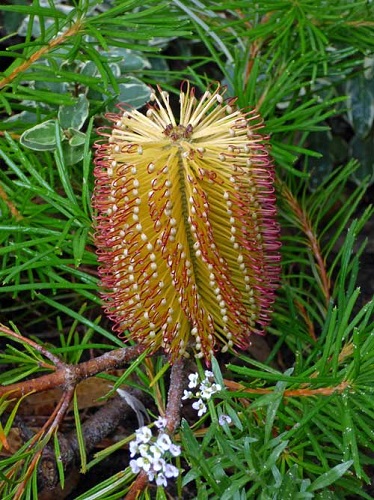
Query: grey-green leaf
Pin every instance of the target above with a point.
(134, 92)
(75, 115)
(42, 137)
(77, 138)
(363, 151)
(128, 60)
(72, 155)
(361, 109)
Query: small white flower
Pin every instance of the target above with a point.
(216, 388)
(143, 450)
(224, 419)
(143, 463)
(156, 451)
(161, 480)
(200, 407)
(187, 395)
(160, 423)
(206, 392)
(143, 435)
(134, 448)
(158, 464)
(134, 466)
(163, 441)
(208, 374)
(194, 380)
(171, 471)
(175, 450)
(151, 475)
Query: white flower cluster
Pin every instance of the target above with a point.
(153, 452)
(205, 391)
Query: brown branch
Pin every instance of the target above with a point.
(69, 376)
(177, 386)
(73, 30)
(137, 486)
(57, 416)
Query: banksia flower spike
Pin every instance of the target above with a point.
(185, 225)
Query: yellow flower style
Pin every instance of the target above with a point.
(185, 227)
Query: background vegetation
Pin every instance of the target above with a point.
(301, 400)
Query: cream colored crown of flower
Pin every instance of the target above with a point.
(185, 226)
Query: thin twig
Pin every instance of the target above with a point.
(55, 42)
(10, 205)
(47, 430)
(307, 228)
(309, 323)
(24, 340)
(304, 392)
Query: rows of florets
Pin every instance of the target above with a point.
(138, 208)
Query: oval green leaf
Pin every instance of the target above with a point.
(42, 137)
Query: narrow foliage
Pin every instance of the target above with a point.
(185, 225)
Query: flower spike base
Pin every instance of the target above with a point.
(185, 226)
